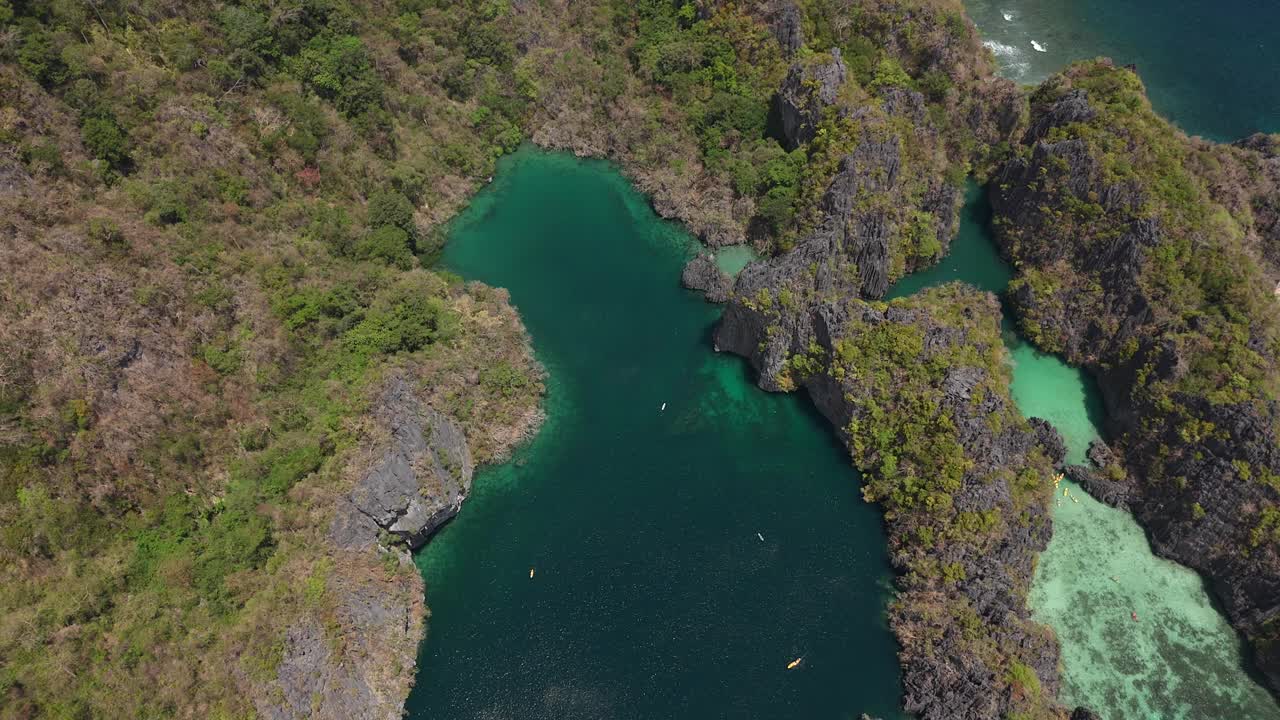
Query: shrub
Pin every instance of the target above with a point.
(889, 73)
(390, 208)
(387, 244)
(1024, 679)
(105, 232)
(406, 320)
(106, 140)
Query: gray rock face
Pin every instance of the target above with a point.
(416, 485)
(787, 27)
(702, 274)
(809, 88)
(1050, 439)
(1115, 335)
(849, 237)
(1071, 108)
(381, 635)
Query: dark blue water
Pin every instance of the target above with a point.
(1210, 67)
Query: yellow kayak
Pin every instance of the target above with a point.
(792, 665)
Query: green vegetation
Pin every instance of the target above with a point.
(1209, 302)
(1142, 257)
(221, 249)
(914, 409)
(223, 220)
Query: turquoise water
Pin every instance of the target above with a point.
(653, 596)
(733, 258)
(1210, 67)
(1180, 660)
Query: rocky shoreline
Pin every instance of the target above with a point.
(965, 553)
(1193, 452)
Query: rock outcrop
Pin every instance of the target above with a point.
(961, 612)
(415, 485)
(1183, 373)
(702, 274)
(811, 86)
(787, 24)
(383, 625)
(411, 481)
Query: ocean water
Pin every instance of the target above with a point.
(681, 556)
(1210, 67)
(1179, 660)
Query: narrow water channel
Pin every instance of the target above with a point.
(680, 557)
(1180, 660)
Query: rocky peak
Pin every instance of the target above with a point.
(1072, 107)
(787, 27)
(702, 274)
(810, 87)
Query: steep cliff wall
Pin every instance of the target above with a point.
(918, 391)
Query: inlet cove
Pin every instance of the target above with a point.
(640, 360)
(675, 537)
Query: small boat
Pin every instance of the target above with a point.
(1065, 491)
(664, 407)
(530, 573)
(792, 665)
(1134, 615)
(760, 536)
(1038, 47)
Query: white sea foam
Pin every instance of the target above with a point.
(1038, 46)
(1001, 50)
(1011, 58)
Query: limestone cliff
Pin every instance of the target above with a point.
(415, 485)
(918, 391)
(414, 473)
(1137, 262)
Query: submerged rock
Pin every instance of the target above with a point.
(415, 485)
(702, 274)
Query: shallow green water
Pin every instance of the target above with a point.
(653, 596)
(733, 258)
(1180, 660)
(1209, 66)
